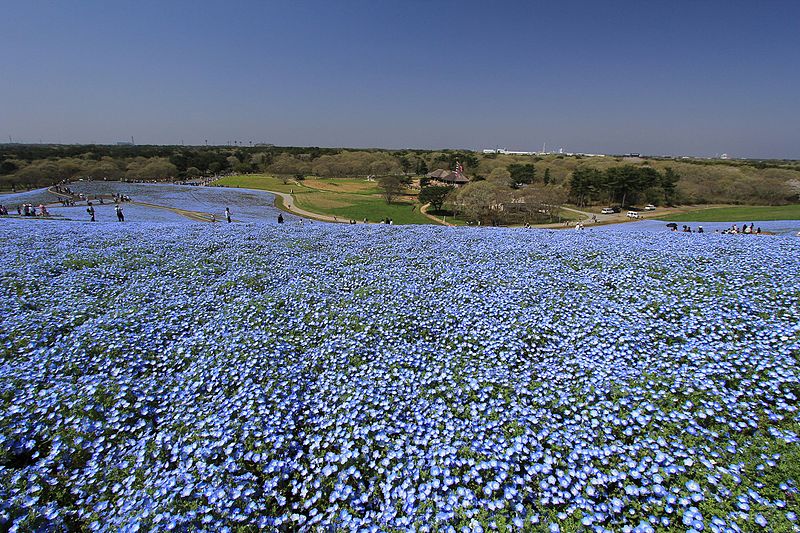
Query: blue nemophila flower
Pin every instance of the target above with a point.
(382, 377)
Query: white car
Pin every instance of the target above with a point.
(607, 211)
(632, 214)
(649, 207)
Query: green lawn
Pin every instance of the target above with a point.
(345, 198)
(738, 214)
(256, 181)
(342, 185)
(357, 206)
(449, 217)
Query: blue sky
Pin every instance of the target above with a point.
(657, 77)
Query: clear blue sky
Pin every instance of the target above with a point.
(657, 77)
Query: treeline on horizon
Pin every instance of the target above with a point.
(580, 179)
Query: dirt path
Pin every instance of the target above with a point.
(197, 216)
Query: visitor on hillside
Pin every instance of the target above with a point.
(213, 218)
(19, 210)
(700, 229)
(228, 215)
(90, 210)
(120, 214)
(280, 218)
(758, 230)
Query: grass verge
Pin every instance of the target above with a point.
(746, 213)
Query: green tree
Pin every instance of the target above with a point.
(434, 196)
(620, 182)
(482, 201)
(583, 183)
(546, 178)
(669, 183)
(522, 174)
(405, 164)
(158, 168)
(8, 167)
(500, 176)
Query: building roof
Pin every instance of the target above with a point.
(439, 172)
(447, 176)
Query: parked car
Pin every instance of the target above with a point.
(607, 211)
(649, 207)
(633, 214)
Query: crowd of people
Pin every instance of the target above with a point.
(62, 189)
(28, 210)
(745, 229)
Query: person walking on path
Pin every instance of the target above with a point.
(90, 210)
(120, 214)
(228, 215)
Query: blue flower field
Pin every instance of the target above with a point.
(242, 377)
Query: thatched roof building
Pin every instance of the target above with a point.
(448, 177)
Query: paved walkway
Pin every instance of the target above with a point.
(616, 218)
(424, 211)
(289, 205)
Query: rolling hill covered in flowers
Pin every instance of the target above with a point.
(234, 377)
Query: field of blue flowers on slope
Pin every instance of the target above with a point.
(246, 205)
(234, 377)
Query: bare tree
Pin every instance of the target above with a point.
(392, 186)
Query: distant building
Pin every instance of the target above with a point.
(503, 151)
(561, 151)
(448, 177)
(124, 143)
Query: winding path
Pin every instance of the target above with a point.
(424, 210)
(289, 205)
